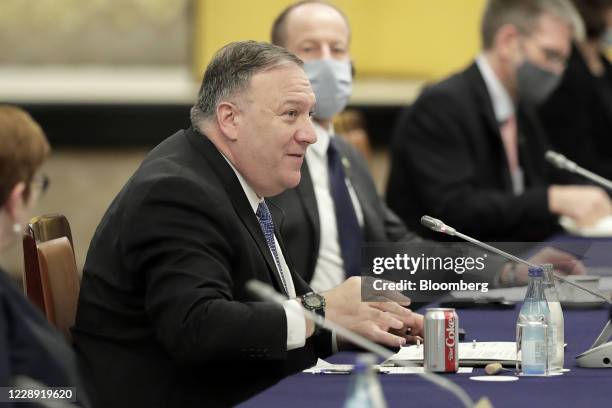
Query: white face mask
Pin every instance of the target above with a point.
(331, 83)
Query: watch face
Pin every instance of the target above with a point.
(312, 301)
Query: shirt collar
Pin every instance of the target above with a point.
(254, 199)
(323, 139)
(502, 103)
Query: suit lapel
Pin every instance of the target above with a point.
(487, 114)
(300, 286)
(366, 206)
(305, 191)
(239, 200)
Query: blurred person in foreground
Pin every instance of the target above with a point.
(164, 317)
(470, 151)
(578, 115)
(30, 349)
(335, 208)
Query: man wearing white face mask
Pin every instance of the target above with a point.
(335, 208)
(471, 151)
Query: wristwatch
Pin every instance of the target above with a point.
(315, 303)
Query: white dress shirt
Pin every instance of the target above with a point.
(503, 106)
(329, 268)
(296, 323)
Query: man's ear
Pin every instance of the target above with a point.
(507, 42)
(228, 118)
(16, 203)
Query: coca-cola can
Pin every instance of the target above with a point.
(441, 345)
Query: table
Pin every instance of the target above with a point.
(580, 387)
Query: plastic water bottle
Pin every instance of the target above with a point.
(532, 327)
(364, 389)
(556, 351)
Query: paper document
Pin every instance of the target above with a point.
(323, 367)
(602, 228)
(470, 354)
(416, 370)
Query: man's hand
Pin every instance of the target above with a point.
(413, 330)
(564, 263)
(584, 204)
(372, 320)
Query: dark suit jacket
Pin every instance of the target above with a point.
(31, 347)
(448, 161)
(164, 319)
(578, 116)
(300, 227)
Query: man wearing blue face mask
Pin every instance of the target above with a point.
(471, 151)
(335, 208)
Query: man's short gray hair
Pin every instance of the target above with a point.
(522, 14)
(230, 71)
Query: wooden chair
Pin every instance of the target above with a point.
(60, 283)
(51, 279)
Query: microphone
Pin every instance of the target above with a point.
(439, 226)
(267, 292)
(561, 162)
(600, 353)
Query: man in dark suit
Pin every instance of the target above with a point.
(324, 230)
(578, 115)
(319, 34)
(470, 150)
(164, 318)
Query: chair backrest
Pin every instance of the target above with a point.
(42, 229)
(60, 283)
(50, 226)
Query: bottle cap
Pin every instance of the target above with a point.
(536, 271)
(364, 362)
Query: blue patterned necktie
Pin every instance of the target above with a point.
(349, 233)
(267, 226)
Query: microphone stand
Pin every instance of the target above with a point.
(600, 353)
(266, 292)
(439, 226)
(563, 163)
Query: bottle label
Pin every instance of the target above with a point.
(534, 356)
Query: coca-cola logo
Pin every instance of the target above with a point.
(450, 336)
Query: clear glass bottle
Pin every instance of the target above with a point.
(556, 350)
(364, 389)
(532, 327)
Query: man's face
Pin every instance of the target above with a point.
(317, 31)
(274, 129)
(549, 45)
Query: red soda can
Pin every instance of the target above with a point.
(441, 342)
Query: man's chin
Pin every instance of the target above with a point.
(293, 180)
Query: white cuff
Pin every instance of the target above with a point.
(296, 324)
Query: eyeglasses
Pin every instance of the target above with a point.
(552, 56)
(41, 182)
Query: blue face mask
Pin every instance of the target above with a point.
(331, 83)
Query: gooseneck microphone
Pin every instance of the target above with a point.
(600, 353)
(439, 226)
(267, 292)
(561, 162)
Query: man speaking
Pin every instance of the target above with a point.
(164, 318)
